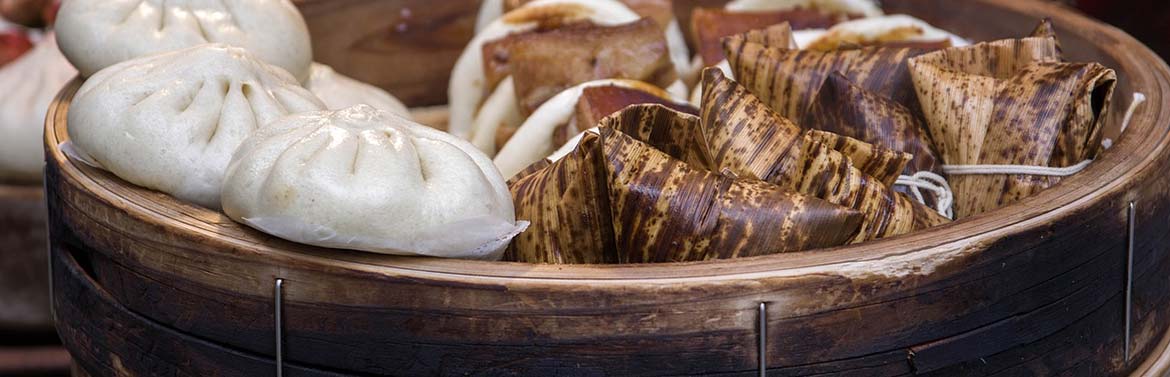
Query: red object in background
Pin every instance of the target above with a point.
(1146, 20)
(13, 44)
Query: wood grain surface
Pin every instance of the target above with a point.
(1036, 288)
(407, 47)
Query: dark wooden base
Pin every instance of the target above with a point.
(1037, 288)
(107, 339)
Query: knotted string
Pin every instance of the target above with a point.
(925, 180)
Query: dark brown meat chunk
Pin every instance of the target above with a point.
(543, 64)
(710, 26)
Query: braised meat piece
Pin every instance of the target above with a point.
(544, 63)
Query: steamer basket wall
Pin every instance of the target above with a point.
(149, 285)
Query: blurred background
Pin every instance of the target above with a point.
(1147, 20)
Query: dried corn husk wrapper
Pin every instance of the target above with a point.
(865, 93)
(567, 205)
(845, 109)
(779, 35)
(882, 164)
(614, 199)
(1011, 102)
(681, 136)
(789, 79)
(750, 140)
(677, 134)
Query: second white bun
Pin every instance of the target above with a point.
(95, 34)
(170, 122)
(365, 179)
(339, 91)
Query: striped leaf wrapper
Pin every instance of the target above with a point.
(864, 93)
(775, 35)
(614, 199)
(1011, 102)
(882, 164)
(843, 108)
(600, 101)
(788, 79)
(749, 139)
(681, 136)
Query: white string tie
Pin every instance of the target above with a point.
(1138, 99)
(925, 180)
(1046, 171)
(1015, 169)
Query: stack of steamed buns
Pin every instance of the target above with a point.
(218, 103)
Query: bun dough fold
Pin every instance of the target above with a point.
(170, 122)
(365, 179)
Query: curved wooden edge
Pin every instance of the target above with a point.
(104, 338)
(1158, 364)
(1077, 192)
(1036, 295)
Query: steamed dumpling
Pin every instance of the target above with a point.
(339, 91)
(171, 121)
(30, 83)
(365, 179)
(95, 34)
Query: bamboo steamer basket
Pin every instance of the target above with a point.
(147, 285)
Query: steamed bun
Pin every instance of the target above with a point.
(366, 179)
(95, 34)
(171, 121)
(339, 91)
(30, 83)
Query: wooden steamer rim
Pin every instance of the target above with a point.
(1103, 175)
(152, 234)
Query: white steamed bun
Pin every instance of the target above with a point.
(29, 83)
(171, 121)
(95, 34)
(339, 91)
(366, 179)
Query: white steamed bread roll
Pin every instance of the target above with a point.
(30, 83)
(339, 91)
(95, 34)
(366, 179)
(171, 121)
